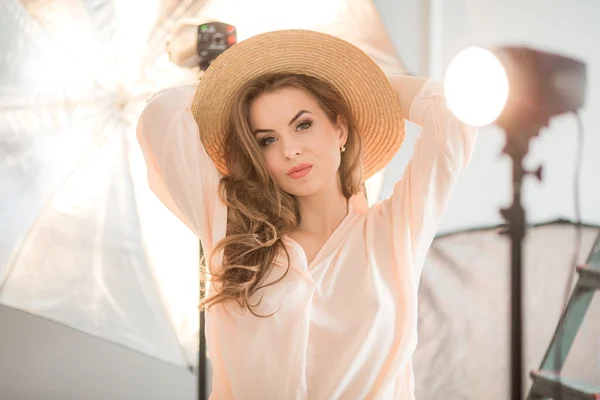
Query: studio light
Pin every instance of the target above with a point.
(519, 89)
(512, 86)
(476, 73)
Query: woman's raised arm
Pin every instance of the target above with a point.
(180, 172)
(441, 154)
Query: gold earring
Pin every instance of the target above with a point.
(342, 149)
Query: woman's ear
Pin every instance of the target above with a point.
(342, 129)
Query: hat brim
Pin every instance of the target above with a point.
(358, 79)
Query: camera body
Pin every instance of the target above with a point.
(196, 44)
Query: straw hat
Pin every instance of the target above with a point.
(359, 80)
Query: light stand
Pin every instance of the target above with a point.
(202, 361)
(202, 364)
(517, 147)
(542, 85)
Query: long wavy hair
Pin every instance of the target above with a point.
(258, 211)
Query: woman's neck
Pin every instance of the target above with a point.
(322, 212)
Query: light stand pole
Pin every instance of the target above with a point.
(202, 378)
(202, 361)
(517, 146)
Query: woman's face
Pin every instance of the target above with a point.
(301, 146)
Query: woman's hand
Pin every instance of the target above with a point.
(406, 88)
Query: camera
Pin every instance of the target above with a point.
(196, 45)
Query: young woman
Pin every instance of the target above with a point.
(310, 293)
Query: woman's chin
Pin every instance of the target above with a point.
(300, 190)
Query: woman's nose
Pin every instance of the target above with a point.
(292, 151)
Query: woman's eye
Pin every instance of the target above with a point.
(267, 141)
(304, 125)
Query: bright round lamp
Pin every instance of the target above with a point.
(476, 86)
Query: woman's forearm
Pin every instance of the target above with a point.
(406, 88)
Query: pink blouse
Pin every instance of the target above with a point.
(346, 324)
